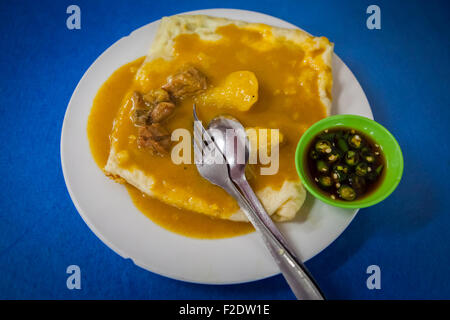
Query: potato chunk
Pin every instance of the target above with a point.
(239, 90)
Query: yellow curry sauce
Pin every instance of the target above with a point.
(106, 104)
(288, 100)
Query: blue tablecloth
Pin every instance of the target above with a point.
(403, 68)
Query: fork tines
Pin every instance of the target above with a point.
(204, 145)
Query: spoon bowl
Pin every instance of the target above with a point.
(230, 137)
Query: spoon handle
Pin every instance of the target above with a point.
(295, 273)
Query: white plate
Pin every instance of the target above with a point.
(108, 210)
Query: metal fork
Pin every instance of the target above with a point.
(213, 167)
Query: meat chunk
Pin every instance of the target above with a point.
(141, 110)
(186, 82)
(153, 97)
(138, 101)
(148, 111)
(154, 138)
(141, 117)
(162, 111)
(155, 106)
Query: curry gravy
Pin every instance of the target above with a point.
(283, 103)
(106, 104)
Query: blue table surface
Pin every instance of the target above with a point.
(403, 69)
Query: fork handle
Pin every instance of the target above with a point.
(293, 270)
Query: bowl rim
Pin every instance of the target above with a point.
(314, 190)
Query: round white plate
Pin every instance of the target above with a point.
(108, 210)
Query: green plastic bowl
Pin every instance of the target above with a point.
(392, 172)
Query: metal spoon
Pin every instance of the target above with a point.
(236, 152)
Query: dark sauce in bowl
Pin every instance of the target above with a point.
(345, 163)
